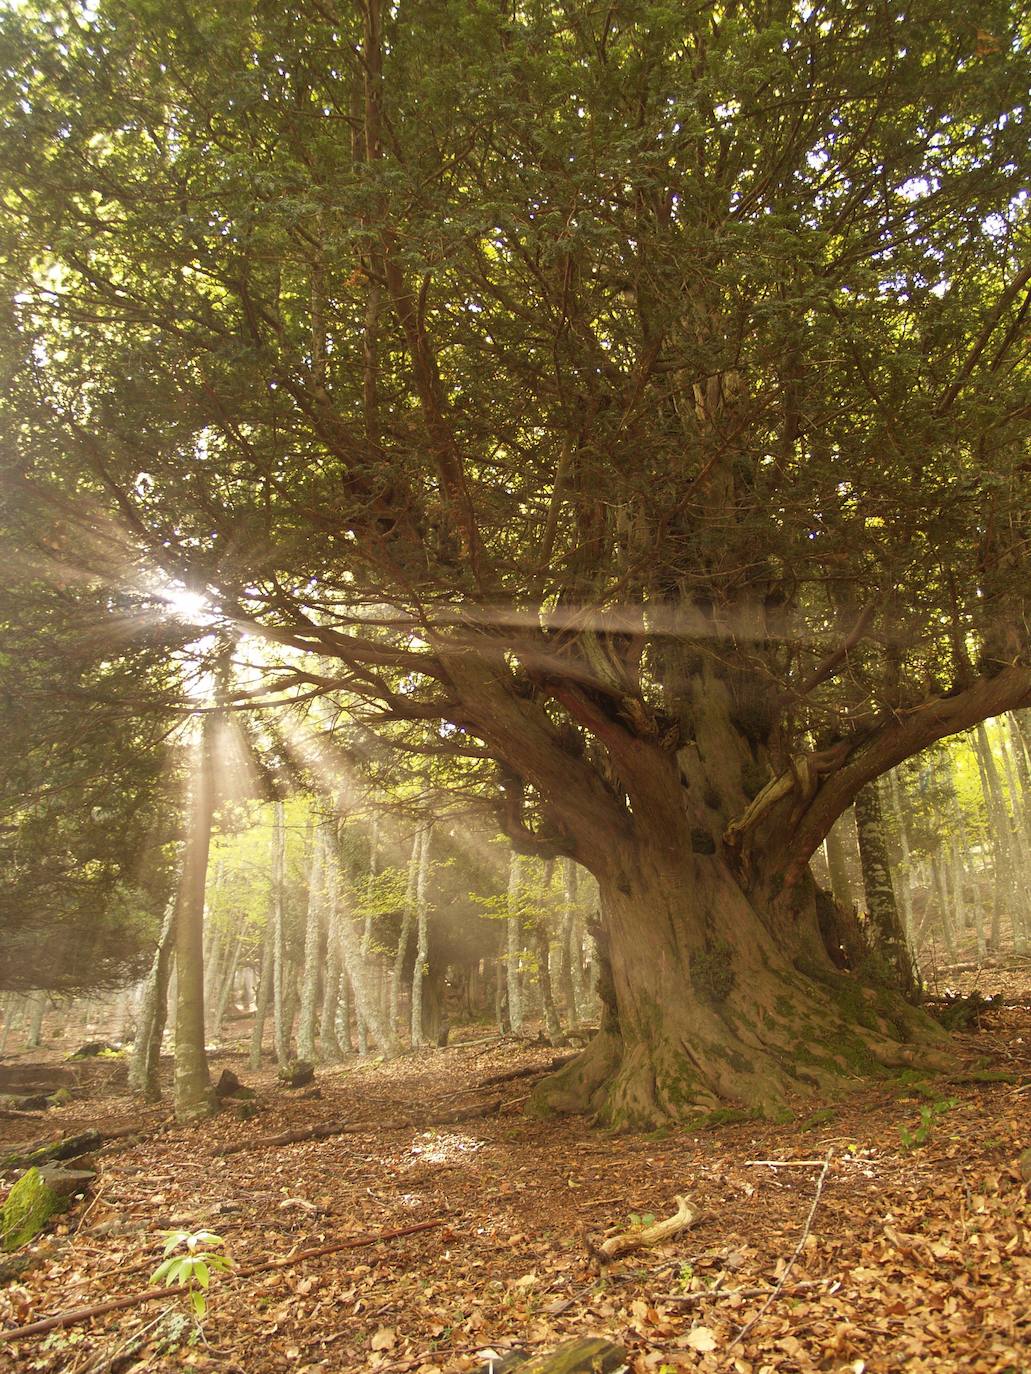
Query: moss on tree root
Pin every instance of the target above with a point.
(811, 1041)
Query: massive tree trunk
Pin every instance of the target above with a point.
(722, 992)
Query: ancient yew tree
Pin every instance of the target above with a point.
(625, 401)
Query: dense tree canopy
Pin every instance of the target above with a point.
(625, 403)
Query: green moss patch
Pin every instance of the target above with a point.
(29, 1206)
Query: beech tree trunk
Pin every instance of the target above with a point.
(889, 947)
(313, 948)
(193, 1093)
(999, 833)
(150, 1021)
(39, 1002)
(356, 966)
(514, 932)
(837, 867)
(333, 985)
(422, 949)
(264, 994)
(280, 1020)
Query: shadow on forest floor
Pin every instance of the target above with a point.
(917, 1255)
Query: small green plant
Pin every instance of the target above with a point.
(193, 1267)
(642, 1219)
(921, 1134)
(684, 1277)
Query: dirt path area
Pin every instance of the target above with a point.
(916, 1257)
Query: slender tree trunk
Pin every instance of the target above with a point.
(999, 828)
(366, 1002)
(193, 1093)
(225, 990)
(150, 1021)
(421, 969)
(542, 950)
(264, 996)
(38, 1003)
(12, 1016)
(888, 937)
(313, 950)
(405, 933)
(905, 868)
(514, 930)
(330, 1049)
(501, 1013)
(566, 990)
(280, 1023)
(1019, 851)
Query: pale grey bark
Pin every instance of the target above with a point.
(334, 1006)
(367, 1006)
(837, 865)
(904, 886)
(151, 1015)
(363, 1029)
(420, 970)
(225, 991)
(38, 1003)
(405, 933)
(514, 932)
(193, 1094)
(888, 937)
(312, 950)
(999, 834)
(264, 994)
(280, 1022)
(501, 1015)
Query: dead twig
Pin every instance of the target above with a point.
(779, 1286)
(81, 1314)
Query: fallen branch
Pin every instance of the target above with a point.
(640, 1237)
(69, 1146)
(779, 1287)
(324, 1129)
(529, 1071)
(100, 1309)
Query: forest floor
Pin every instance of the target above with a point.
(914, 1257)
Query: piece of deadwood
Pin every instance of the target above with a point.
(529, 1071)
(588, 1355)
(640, 1237)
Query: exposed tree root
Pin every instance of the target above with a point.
(703, 1064)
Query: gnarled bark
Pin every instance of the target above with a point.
(717, 988)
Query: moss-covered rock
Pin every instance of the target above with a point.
(29, 1206)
